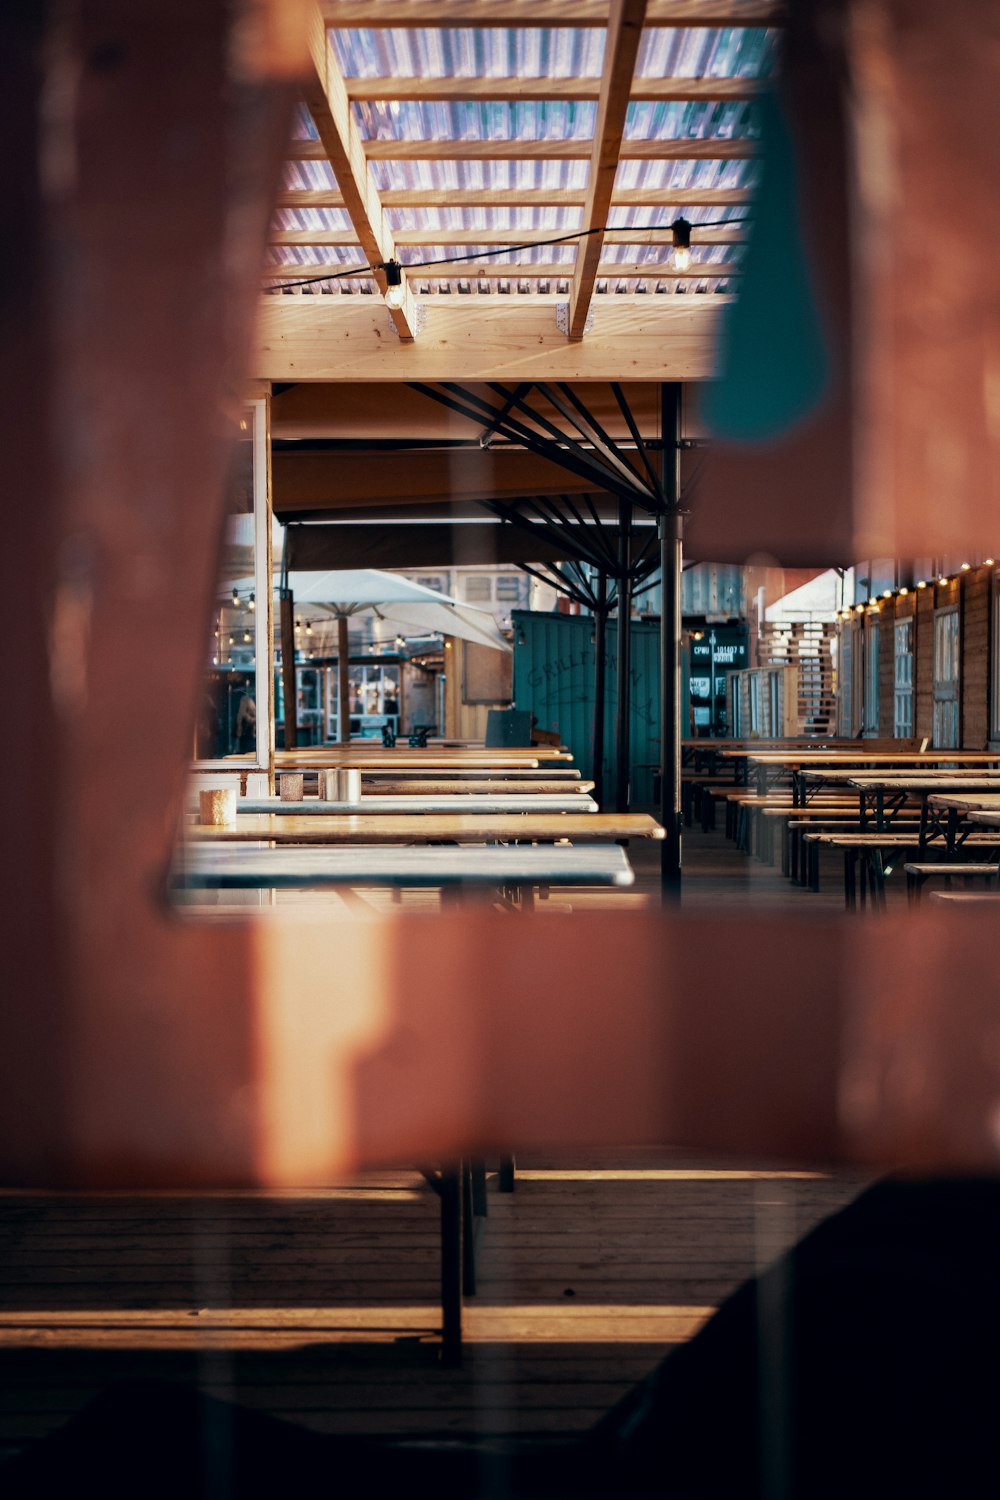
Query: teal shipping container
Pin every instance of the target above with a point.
(554, 679)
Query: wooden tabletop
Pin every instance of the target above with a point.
(956, 773)
(929, 784)
(967, 801)
(212, 867)
(555, 771)
(466, 802)
(354, 755)
(423, 828)
(444, 784)
(796, 758)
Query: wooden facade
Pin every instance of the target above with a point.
(969, 591)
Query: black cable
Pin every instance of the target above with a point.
(451, 260)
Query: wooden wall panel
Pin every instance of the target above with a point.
(975, 658)
(886, 668)
(923, 666)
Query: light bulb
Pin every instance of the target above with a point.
(252, 602)
(681, 231)
(395, 288)
(236, 597)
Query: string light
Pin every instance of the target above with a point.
(236, 598)
(252, 602)
(903, 592)
(681, 231)
(944, 579)
(679, 228)
(966, 567)
(988, 562)
(309, 627)
(247, 636)
(887, 593)
(922, 583)
(860, 609)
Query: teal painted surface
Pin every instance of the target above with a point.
(554, 679)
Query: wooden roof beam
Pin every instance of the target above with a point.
(325, 95)
(416, 238)
(443, 197)
(714, 90)
(379, 13)
(625, 23)
(681, 148)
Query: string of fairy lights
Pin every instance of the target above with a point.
(874, 603)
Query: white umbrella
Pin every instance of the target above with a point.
(401, 605)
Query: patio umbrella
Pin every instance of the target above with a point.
(399, 606)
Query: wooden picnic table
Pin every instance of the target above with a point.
(465, 802)
(879, 796)
(325, 756)
(803, 763)
(443, 784)
(550, 772)
(424, 828)
(965, 805)
(211, 866)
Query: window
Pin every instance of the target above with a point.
(775, 701)
(844, 684)
(477, 588)
(872, 633)
(431, 581)
(509, 588)
(946, 670)
(902, 712)
(755, 703)
(235, 700)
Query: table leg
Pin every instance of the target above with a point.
(450, 1194)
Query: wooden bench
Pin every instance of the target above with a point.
(918, 874)
(863, 852)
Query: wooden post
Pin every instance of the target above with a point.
(287, 610)
(343, 682)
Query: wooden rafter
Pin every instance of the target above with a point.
(714, 90)
(443, 197)
(495, 270)
(625, 22)
(547, 13)
(326, 98)
(683, 148)
(417, 238)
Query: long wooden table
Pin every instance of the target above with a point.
(214, 866)
(430, 828)
(881, 798)
(798, 763)
(466, 803)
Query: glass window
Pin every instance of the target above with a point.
(755, 703)
(477, 588)
(946, 674)
(510, 587)
(995, 658)
(902, 713)
(872, 632)
(234, 712)
(844, 682)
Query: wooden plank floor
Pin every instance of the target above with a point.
(323, 1308)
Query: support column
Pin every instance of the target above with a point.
(286, 605)
(671, 574)
(343, 682)
(600, 669)
(624, 709)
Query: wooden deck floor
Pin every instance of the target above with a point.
(323, 1308)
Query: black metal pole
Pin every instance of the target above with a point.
(671, 575)
(624, 707)
(600, 667)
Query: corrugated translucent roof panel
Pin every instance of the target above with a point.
(476, 120)
(702, 52)
(502, 52)
(691, 120)
(666, 175)
(500, 217)
(490, 176)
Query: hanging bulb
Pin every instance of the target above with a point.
(247, 636)
(309, 627)
(252, 602)
(395, 287)
(682, 244)
(298, 626)
(236, 597)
